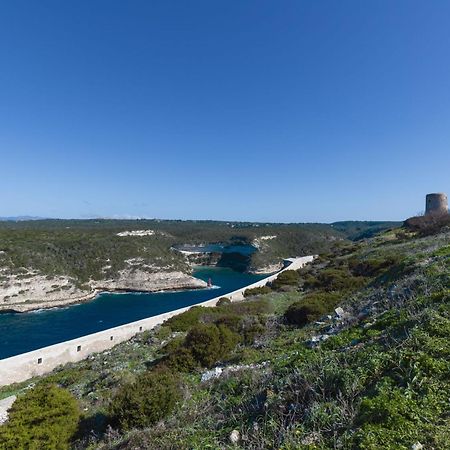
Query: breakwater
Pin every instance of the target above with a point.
(44, 360)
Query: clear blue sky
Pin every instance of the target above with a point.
(237, 110)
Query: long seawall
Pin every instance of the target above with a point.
(39, 362)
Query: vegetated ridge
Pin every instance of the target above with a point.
(47, 263)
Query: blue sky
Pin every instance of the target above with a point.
(235, 110)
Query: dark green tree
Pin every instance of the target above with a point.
(146, 401)
(44, 418)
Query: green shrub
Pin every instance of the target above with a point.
(250, 328)
(65, 377)
(146, 401)
(372, 267)
(310, 281)
(173, 345)
(186, 320)
(210, 343)
(223, 301)
(328, 299)
(388, 420)
(231, 321)
(337, 280)
(286, 278)
(162, 332)
(247, 327)
(44, 418)
(181, 360)
(311, 307)
(248, 308)
(257, 291)
(304, 311)
(206, 344)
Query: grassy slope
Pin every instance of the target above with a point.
(356, 230)
(380, 381)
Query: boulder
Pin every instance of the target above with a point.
(212, 374)
(235, 437)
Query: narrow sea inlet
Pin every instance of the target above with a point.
(23, 332)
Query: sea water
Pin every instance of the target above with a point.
(23, 332)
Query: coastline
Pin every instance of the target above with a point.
(38, 298)
(43, 360)
(167, 282)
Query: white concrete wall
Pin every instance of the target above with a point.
(38, 362)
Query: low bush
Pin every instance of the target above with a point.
(247, 327)
(396, 272)
(186, 320)
(429, 224)
(46, 417)
(286, 278)
(213, 333)
(247, 308)
(250, 328)
(173, 345)
(329, 299)
(146, 401)
(309, 281)
(181, 360)
(372, 267)
(162, 332)
(66, 377)
(210, 343)
(390, 417)
(311, 307)
(231, 321)
(304, 311)
(257, 291)
(337, 280)
(223, 301)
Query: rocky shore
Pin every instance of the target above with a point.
(22, 293)
(266, 270)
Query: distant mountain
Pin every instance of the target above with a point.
(20, 218)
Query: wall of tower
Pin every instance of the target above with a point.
(436, 203)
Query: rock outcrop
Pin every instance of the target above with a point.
(31, 291)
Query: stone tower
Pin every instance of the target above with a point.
(436, 203)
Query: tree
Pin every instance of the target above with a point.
(146, 401)
(44, 418)
(210, 343)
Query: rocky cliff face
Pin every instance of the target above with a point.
(203, 259)
(236, 261)
(31, 290)
(139, 280)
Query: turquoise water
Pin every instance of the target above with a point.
(24, 332)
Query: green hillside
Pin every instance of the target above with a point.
(82, 249)
(350, 352)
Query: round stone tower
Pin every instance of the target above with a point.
(436, 203)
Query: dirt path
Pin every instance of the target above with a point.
(5, 404)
